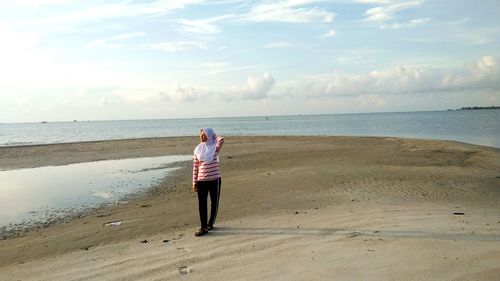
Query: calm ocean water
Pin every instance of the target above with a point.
(471, 126)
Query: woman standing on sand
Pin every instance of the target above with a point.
(206, 177)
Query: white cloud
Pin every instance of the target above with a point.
(411, 23)
(279, 45)
(374, 1)
(215, 64)
(282, 11)
(111, 99)
(224, 69)
(128, 35)
(483, 74)
(202, 26)
(388, 12)
(257, 87)
(198, 26)
(108, 43)
(330, 33)
(459, 21)
(130, 95)
(37, 3)
(371, 101)
(476, 38)
(97, 11)
(175, 46)
(182, 94)
(215, 67)
(287, 11)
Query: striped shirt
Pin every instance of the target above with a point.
(210, 171)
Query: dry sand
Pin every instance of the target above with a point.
(292, 208)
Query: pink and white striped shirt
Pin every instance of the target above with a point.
(210, 171)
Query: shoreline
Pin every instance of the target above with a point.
(29, 145)
(262, 179)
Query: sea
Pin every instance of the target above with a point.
(480, 127)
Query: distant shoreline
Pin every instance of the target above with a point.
(478, 107)
(243, 116)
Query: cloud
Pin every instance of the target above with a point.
(176, 93)
(215, 67)
(257, 87)
(287, 11)
(330, 33)
(411, 23)
(370, 90)
(198, 27)
(175, 46)
(108, 43)
(134, 96)
(183, 94)
(279, 45)
(98, 11)
(224, 69)
(202, 26)
(388, 12)
(374, 1)
(371, 101)
(111, 99)
(384, 14)
(215, 64)
(37, 3)
(282, 11)
(477, 38)
(484, 74)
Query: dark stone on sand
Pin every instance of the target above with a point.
(459, 213)
(144, 241)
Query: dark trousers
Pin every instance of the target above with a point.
(204, 188)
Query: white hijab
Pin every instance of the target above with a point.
(205, 151)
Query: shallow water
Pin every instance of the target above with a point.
(30, 196)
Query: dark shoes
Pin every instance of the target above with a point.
(201, 232)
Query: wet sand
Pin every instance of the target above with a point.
(292, 208)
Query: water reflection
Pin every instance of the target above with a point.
(39, 194)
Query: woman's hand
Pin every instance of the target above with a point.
(195, 187)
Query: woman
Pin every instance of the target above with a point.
(206, 177)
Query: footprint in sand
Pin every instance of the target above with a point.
(184, 270)
(187, 250)
(353, 234)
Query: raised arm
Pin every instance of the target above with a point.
(220, 142)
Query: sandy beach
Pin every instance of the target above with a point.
(292, 208)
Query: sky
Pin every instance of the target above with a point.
(63, 60)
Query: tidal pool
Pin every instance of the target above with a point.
(37, 195)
